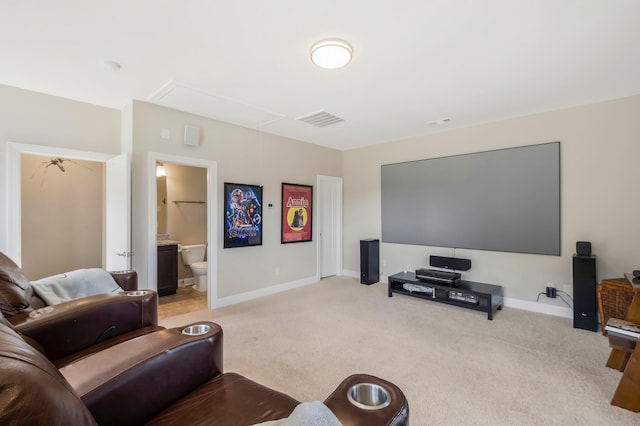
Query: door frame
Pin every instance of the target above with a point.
(13, 223)
(322, 181)
(212, 218)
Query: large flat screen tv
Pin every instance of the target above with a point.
(504, 200)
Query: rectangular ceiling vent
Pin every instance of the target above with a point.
(320, 119)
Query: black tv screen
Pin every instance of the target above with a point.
(504, 200)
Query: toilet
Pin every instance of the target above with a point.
(193, 256)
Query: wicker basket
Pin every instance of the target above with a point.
(614, 297)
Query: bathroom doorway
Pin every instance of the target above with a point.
(183, 209)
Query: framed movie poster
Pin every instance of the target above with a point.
(296, 219)
(242, 215)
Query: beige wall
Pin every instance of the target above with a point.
(600, 175)
(243, 156)
(600, 178)
(186, 222)
(35, 118)
(62, 216)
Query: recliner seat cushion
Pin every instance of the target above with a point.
(61, 362)
(13, 287)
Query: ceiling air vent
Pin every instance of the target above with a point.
(320, 119)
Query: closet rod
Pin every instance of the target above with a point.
(191, 202)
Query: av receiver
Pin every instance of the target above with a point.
(442, 277)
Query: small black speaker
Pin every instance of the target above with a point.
(583, 248)
(454, 263)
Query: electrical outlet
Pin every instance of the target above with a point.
(551, 292)
(277, 270)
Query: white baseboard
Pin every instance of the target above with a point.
(348, 273)
(543, 308)
(250, 295)
(183, 282)
(525, 305)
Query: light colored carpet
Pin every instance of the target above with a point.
(454, 366)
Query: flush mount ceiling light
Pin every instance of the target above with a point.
(331, 53)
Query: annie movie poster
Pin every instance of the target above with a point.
(296, 213)
(243, 215)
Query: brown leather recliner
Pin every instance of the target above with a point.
(69, 330)
(16, 294)
(162, 378)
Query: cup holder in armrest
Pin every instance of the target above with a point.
(368, 396)
(137, 293)
(196, 329)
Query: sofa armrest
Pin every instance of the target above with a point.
(130, 382)
(69, 327)
(396, 413)
(127, 280)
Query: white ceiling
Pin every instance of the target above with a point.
(247, 61)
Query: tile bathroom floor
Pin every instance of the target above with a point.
(186, 299)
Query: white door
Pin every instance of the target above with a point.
(330, 201)
(327, 231)
(118, 210)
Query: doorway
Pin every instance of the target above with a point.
(116, 245)
(62, 215)
(182, 214)
(208, 208)
(330, 226)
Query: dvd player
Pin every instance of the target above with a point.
(443, 277)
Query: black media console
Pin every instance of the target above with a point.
(466, 294)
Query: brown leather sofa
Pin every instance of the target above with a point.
(162, 378)
(73, 329)
(17, 296)
(104, 360)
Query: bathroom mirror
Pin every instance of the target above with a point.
(161, 183)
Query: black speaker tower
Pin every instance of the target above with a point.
(584, 293)
(369, 261)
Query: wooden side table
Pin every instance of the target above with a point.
(627, 394)
(614, 298)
